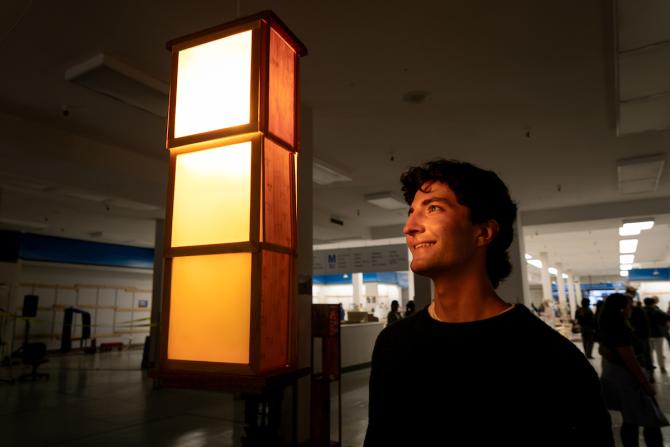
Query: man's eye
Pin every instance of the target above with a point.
(433, 208)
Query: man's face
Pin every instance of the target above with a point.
(438, 231)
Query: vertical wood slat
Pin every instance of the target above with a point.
(275, 316)
(281, 90)
(277, 187)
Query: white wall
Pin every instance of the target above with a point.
(111, 295)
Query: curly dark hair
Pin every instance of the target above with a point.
(483, 193)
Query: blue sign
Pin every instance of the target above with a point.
(655, 274)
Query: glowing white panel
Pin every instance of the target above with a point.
(626, 259)
(528, 257)
(623, 273)
(642, 225)
(214, 85)
(552, 270)
(628, 231)
(627, 246)
(535, 263)
(626, 267)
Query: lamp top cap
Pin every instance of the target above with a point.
(268, 16)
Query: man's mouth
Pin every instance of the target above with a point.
(423, 245)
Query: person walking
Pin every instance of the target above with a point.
(587, 325)
(394, 314)
(658, 321)
(625, 385)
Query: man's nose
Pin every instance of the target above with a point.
(413, 225)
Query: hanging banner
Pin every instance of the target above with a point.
(386, 258)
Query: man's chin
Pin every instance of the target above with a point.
(421, 268)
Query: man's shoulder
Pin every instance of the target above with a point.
(404, 329)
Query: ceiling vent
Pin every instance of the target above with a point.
(110, 77)
(640, 174)
(386, 200)
(326, 175)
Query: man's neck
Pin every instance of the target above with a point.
(466, 299)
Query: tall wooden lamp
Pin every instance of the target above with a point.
(228, 300)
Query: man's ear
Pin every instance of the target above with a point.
(487, 232)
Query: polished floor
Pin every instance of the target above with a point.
(106, 400)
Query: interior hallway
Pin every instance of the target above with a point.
(106, 400)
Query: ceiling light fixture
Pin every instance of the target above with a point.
(627, 246)
(640, 174)
(623, 273)
(528, 257)
(628, 231)
(646, 223)
(110, 77)
(626, 259)
(626, 267)
(386, 200)
(552, 270)
(323, 174)
(535, 263)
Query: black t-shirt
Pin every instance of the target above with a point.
(506, 380)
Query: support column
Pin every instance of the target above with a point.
(571, 295)
(560, 285)
(304, 270)
(156, 293)
(578, 289)
(546, 279)
(515, 289)
(359, 290)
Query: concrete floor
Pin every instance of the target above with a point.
(106, 400)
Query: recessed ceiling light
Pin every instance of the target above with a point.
(623, 273)
(643, 224)
(528, 257)
(535, 263)
(386, 200)
(627, 246)
(325, 175)
(626, 259)
(552, 270)
(626, 267)
(628, 231)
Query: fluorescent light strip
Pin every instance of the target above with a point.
(627, 246)
(535, 263)
(626, 259)
(623, 273)
(626, 267)
(552, 270)
(630, 231)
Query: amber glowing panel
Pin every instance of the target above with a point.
(281, 113)
(275, 310)
(214, 85)
(210, 308)
(212, 196)
(277, 193)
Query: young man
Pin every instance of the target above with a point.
(480, 371)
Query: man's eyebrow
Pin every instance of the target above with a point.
(429, 200)
(435, 199)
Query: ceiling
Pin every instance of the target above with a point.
(525, 88)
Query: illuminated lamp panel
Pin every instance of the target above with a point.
(211, 196)
(277, 194)
(275, 295)
(281, 102)
(210, 308)
(214, 85)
